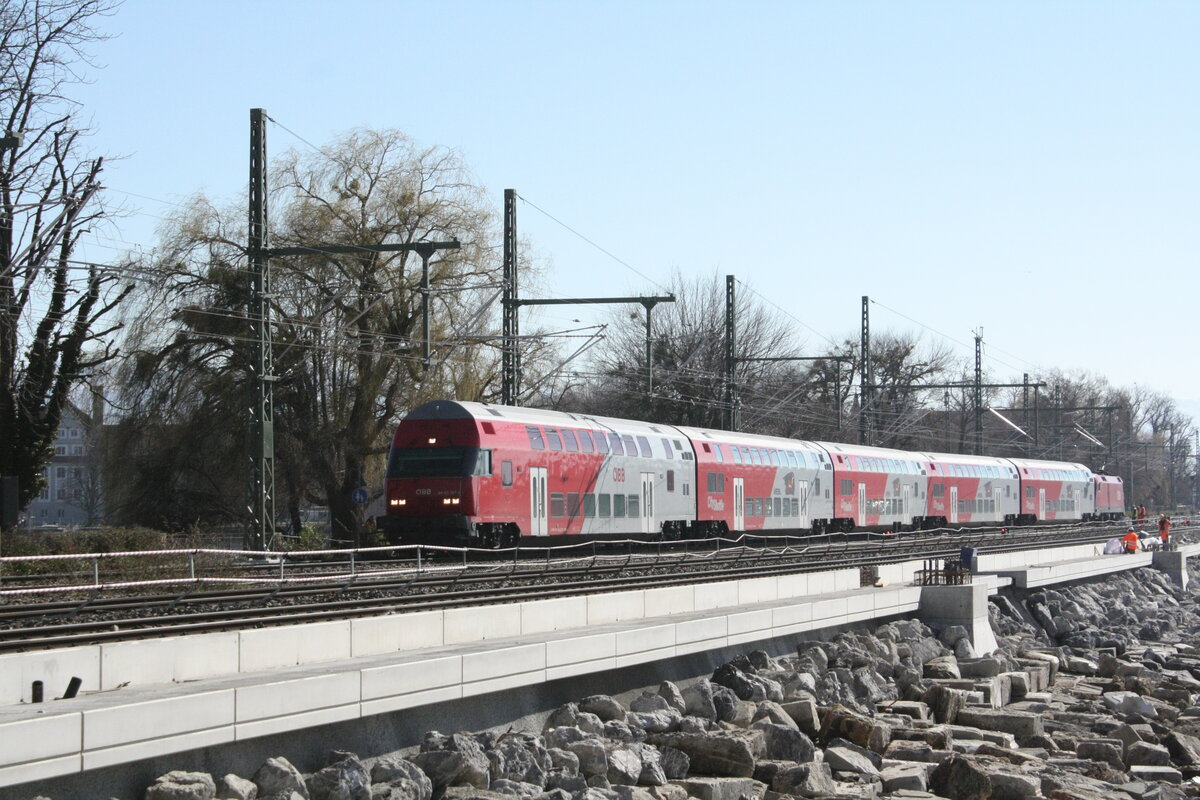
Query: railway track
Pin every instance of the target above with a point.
(96, 618)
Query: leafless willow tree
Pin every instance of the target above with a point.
(347, 329)
(52, 307)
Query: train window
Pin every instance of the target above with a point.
(749, 509)
(721, 482)
(737, 454)
(601, 441)
(535, 437)
(558, 505)
(438, 462)
(506, 473)
(589, 505)
(605, 505)
(632, 503)
(568, 438)
(1029, 491)
(630, 445)
(718, 452)
(847, 486)
(939, 490)
(667, 447)
(758, 507)
(644, 444)
(817, 486)
(670, 480)
(618, 505)
(678, 445)
(1008, 491)
(778, 506)
(712, 481)
(618, 449)
(488, 428)
(585, 441)
(755, 456)
(774, 454)
(553, 439)
(795, 506)
(572, 504)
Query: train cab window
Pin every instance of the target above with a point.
(569, 442)
(737, 454)
(589, 505)
(506, 473)
(667, 447)
(630, 445)
(605, 505)
(558, 505)
(439, 462)
(670, 480)
(483, 464)
(572, 504)
(585, 441)
(618, 449)
(644, 444)
(847, 486)
(618, 505)
(719, 452)
(601, 442)
(553, 438)
(535, 437)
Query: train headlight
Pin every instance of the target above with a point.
(449, 501)
(396, 501)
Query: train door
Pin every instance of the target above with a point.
(996, 511)
(953, 505)
(539, 521)
(648, 524)
(862, 504)
(803, 521)
(1041, 503)
(904, 515)
(739, 505)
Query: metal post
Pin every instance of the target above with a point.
(979, 394)
(262, 407)
(866, 434)
(730, 336)
(1037, 393)
(649, 352)
(425, 308)
(509, 381)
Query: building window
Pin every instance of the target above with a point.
(60, 472)
(77, 450)
(60, 450)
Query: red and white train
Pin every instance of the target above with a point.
(488, 475)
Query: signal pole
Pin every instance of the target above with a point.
(261, 503)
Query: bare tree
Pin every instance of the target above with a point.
(51, 306)
(347, 328)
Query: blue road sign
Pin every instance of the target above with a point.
(360, 496)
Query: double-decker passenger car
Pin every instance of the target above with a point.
(487, 474)
(875, 486)
(1054, 490)
(971, 489)
(747, 482)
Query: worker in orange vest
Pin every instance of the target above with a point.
(1131, 541)
(1164, 529)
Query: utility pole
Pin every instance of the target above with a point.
(866, 432)
(979, 392)
(730, 357)
(261, 487)
(261, 448)
(510, 371)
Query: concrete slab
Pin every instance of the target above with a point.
(54, 668)
(173, 659)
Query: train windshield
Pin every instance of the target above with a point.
(439, 462)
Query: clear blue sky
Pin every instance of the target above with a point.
(1032, 168)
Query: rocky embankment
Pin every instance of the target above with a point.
(1091, 696)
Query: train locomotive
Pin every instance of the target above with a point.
(490, 476)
